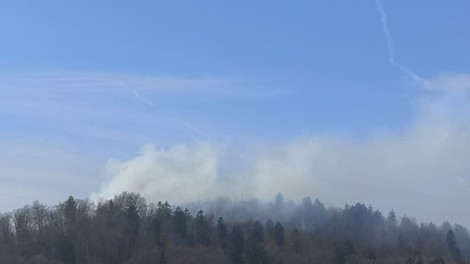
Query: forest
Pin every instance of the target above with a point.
(127, 229)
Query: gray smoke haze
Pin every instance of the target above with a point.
(421, 169)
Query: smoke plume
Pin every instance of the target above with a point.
(420, 168)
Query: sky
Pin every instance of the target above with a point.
(347, 101)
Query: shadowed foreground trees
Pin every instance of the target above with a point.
(128, 230)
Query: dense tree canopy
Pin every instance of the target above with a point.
(127, 229)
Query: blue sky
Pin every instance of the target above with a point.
(242, 87)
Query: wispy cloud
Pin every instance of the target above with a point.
(35, 170)
(113, 106)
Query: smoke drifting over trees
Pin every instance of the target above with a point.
(127, 229)
(429, 155)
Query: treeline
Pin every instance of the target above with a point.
(126, 229)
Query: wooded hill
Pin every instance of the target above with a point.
(126, 229)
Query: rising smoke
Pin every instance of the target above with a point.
(422, 167)
(427, 161)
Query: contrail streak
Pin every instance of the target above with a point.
(184, 123)
(137, 95)
(195, 129)
(391, 49)
(140, 97)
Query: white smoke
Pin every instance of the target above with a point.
(420, 169)
(178, 174)
(450, 84)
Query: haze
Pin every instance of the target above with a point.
(347, 101)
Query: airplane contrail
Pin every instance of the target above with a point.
(195, 130)
(137, 95)
(391, 49)
(140, 97)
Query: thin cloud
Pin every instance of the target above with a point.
(130, 108)
(34, 170)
